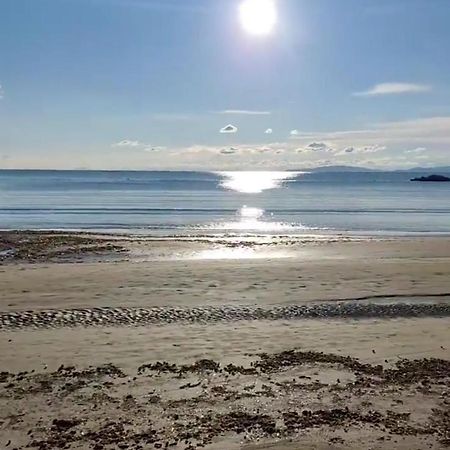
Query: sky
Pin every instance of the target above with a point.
(182, 84)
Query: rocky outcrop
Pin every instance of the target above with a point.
(432, 178)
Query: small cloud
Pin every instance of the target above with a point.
(416, 150)
(154, 149)
(372, 148)
(315, 147)
(245, 112)
(229, 129)
(322, 163)
(2, 92)
(127, 143)
(359, 150)
(294, 133)
(228, 151)
(318, 146)
(268, 131)
(393, 88)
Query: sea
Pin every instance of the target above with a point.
(166, 203)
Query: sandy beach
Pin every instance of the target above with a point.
(224, 225)
(118, 342)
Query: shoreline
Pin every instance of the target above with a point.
(65, 247)
(193, 234)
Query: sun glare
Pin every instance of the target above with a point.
(258, 17)
(248, 182)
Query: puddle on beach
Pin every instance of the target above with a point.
(215, 252)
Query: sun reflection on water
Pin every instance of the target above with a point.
(252, 219)
(254, 182)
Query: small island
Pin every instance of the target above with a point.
(432, 178)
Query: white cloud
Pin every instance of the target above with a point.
(314, 147)
(128, 143)
(268, 131)
(154, 148)
(294, 132)
(229, 129)
(358, 150)
(248, 150)
(400, 133)
(416, 150)
(228, 151)
(393, 88)
(319, 147)
(245, 112)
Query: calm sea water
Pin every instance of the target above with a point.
(229, 202)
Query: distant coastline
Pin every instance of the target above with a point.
(318, 169)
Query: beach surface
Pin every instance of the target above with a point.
(121, 342)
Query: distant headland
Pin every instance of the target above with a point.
(432, 178)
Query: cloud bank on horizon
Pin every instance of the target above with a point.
(385, 145)
(390, 145)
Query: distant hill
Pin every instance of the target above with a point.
(342, 169)
(445, 169)
(426, 170)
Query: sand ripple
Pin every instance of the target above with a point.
(126, 316)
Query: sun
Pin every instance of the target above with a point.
(258, 17)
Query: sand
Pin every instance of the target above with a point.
(338, 270)
(348, 408)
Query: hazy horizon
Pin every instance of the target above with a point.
(332, 168)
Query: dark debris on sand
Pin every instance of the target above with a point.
(252, 402)
(53, 246)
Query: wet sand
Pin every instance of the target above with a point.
(169, 274)
(233, 382)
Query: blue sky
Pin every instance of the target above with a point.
(144, 84)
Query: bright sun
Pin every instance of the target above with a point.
(258, 16)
